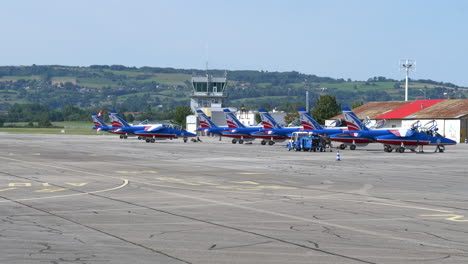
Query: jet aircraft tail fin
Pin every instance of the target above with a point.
(268, 121)
(204, 120)
(307, 121)
(97, 121)
(352, 121)
(232, 120)
(117, 120)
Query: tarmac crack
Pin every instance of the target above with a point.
(175, 231)
(96, 229)
(215, 246)
(315, 243)
(443, 238)
(331, 232)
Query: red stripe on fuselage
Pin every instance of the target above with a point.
(351, 140)
(405, 142)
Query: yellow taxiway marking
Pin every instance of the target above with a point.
(255, 185)
(182, 181)
(451, 217)
(136, 172)
(7, 189)
(79, 184)
(52, 190)
(125, 181)
(20, 184)
(251, 173)
(36, 154)
(45, 184)
(277, 187)
(208, 183)
(247, 182)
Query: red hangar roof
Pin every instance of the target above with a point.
(409, 109)
(374, 109)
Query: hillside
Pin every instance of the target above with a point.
(138, 89)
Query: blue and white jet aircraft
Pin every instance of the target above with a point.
(208, 126)
(397, 138)
(238, 131)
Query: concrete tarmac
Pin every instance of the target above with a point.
(101, 199)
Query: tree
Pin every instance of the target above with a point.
(291, 117)
(44, 122)
(258, 118)
(357, 104)
(326, 107)
(180, 115)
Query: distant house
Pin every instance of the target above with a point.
(451, 115)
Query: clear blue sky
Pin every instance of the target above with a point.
(355, 39)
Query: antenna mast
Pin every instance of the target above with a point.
(407, 66)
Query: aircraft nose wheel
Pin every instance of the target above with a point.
(271, 143)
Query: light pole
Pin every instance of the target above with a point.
(407, 65)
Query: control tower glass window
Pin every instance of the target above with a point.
(200, 86)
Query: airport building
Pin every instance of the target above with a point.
(450, 115)
(209, 94)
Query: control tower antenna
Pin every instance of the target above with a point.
(407, 66)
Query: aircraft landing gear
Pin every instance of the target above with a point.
(241, 141)
(234, 141)
(388, 149)
(263, 142)
(342, 146)
(352, 147)
(401, 149)
(271, 142)
(153, 140)
(148, 140)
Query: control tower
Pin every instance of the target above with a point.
(208, 92)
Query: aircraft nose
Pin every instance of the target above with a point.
(449, 141)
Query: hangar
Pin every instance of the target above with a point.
(451, 115)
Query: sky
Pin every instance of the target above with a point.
(356, 39)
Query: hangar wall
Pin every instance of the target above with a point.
(450, 128)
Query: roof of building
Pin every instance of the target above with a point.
(451, 108)
(374, 109)
(409, 109)
(420, 109)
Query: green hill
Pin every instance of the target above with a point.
(161, 89)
